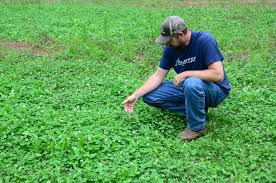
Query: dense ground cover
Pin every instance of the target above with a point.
(66, 68)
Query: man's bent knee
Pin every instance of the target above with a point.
(150, 99)
(193, 83)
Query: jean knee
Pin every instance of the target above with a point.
(193, 83)
(151, 99)
(148, 99)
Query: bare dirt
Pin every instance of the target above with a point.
(43, 46)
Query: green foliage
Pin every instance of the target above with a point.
(61, 114)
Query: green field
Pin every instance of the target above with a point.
(66, 68)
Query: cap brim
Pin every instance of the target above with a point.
(163, 39)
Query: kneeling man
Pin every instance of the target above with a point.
(200, 82)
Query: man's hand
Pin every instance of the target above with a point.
(130, 102)
(153, 82)
(179, 78)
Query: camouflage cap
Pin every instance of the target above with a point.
(169, 28)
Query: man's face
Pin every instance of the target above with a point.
(175, 42)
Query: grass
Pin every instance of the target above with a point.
(66, 68)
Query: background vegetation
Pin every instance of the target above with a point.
(65, 68)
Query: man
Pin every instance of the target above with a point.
(201, 81)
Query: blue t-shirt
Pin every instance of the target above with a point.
(198, 55)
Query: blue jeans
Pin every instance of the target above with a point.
(192, 98)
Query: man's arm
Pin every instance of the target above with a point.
(214, 73)
(153, 82)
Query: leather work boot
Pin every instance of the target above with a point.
(189, 135)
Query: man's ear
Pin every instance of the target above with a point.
(181, 34)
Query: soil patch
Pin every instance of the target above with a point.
(43, 46)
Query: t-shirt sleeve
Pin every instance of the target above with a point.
(211, 52)
(165, 61)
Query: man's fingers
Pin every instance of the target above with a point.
(129, 104)
(175, 82)
(128, 107)
(125, 101)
